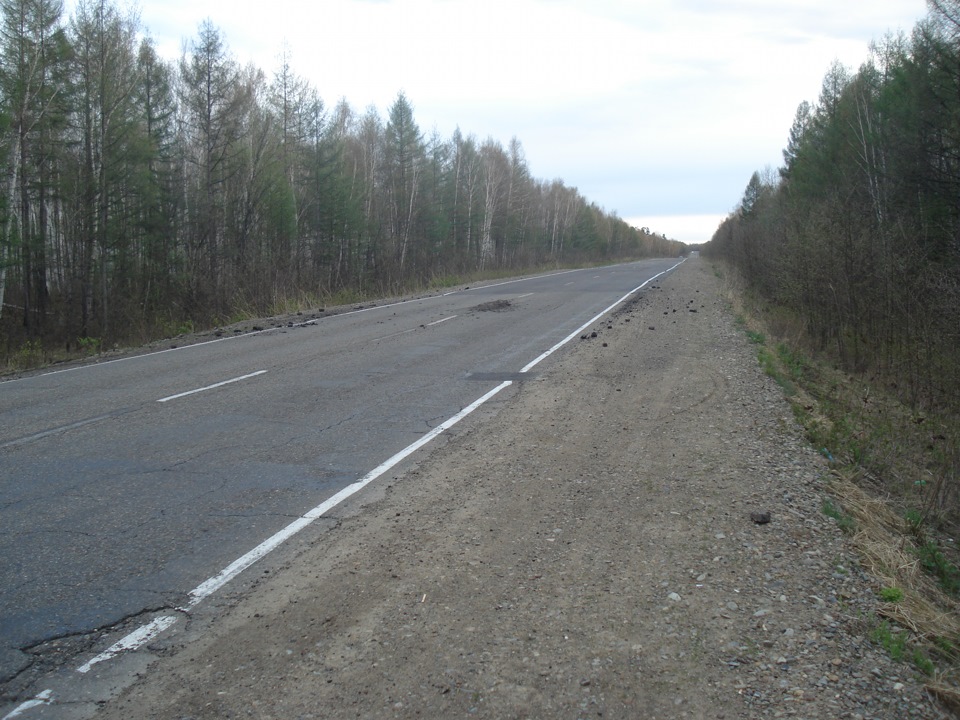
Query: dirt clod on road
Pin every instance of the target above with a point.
(636, 533)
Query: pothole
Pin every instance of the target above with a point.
(494, 306)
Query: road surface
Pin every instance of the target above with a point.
(125, 485)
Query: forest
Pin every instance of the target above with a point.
(850, 254)
(858, 233)
(145, 196)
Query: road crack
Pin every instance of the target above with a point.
(55, 652)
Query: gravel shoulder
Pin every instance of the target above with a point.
(583, 549)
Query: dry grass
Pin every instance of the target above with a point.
(887, 459)
(884, 542)
(945, 690)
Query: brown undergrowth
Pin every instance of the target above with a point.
(895, 481)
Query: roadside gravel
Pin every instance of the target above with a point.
(586, 550)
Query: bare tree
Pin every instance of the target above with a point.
(496, 172)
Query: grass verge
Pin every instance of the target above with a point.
(894, 485)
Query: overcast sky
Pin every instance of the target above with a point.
(659, 110)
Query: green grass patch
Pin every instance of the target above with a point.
(923, 663)
(891, 594)
(29, 355)
(768, 361)
(914, 520)
(88, 345)
(946, 647)
(791, 360)
(936, 564)
(174, 328)
(344, 297)
(845, 522)
(895, 643)
(440, 282)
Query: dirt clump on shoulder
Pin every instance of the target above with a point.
(637, 532)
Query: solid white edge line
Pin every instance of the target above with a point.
(211, 387)
(134, 640)
(146, 633)
(41, 699)
(208, 587)
(529, 366)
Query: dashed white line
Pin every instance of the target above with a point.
(270, 330)
(145, 634)
(437, 322)
(211, 387)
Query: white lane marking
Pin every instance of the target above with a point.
(211, 387)
(405, 332)
(213, 584)
(134, 640)
(568, 284)
(41, 699)
(529, 366)
(61, 429)
(269, 330)
(222, 339)
(516, 280)
(143, 635)
(520, 297)
(396, 334)
(144, 355)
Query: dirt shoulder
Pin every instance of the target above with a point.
(588, 551)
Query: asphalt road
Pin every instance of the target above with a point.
(120, 492)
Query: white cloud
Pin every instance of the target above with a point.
(691, 229)
(650, 108)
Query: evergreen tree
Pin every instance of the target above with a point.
(33, 53)
(404, 155)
